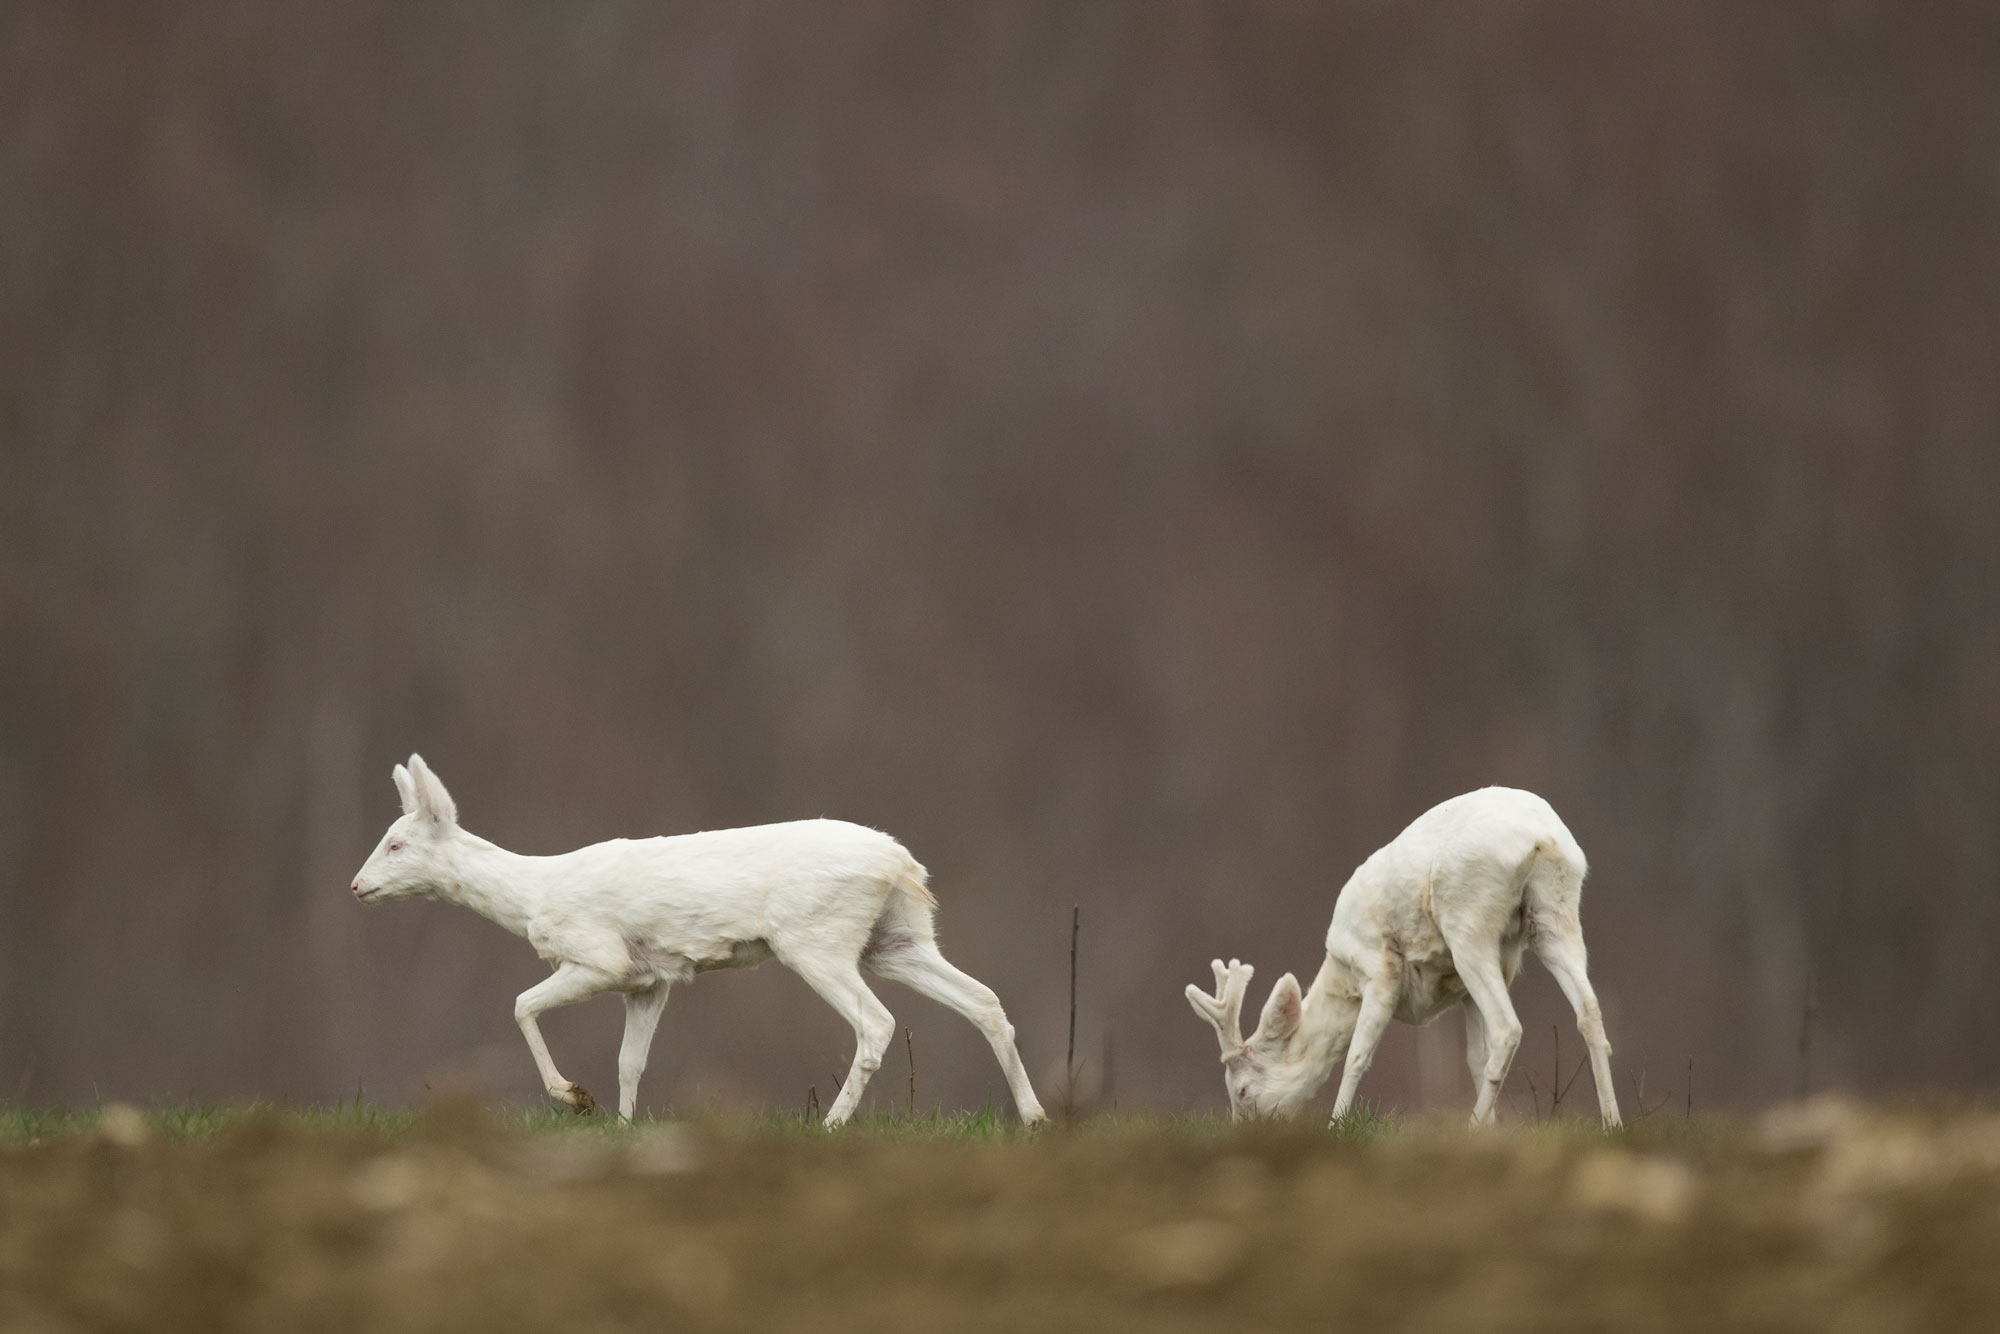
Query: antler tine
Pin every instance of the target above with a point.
(1207, 1006)
(1232, 984)
(1224, 1010)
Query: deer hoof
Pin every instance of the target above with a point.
(579, 1100)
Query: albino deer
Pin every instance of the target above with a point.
(823, 897)
(1438, 917)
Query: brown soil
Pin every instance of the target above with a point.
(1817, 1219)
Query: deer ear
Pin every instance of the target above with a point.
(433, 802)
(1282, 1011)
(406, 788)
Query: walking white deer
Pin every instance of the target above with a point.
(823, 897)
(1437, 918)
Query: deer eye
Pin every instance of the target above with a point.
(395, 845)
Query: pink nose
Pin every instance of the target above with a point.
(356, 887)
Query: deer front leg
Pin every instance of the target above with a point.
(569, 984)
(642, 1015)
(1475, 1045)
(1486, 985)
(1378, 1004)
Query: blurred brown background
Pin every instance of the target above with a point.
(1141, 455)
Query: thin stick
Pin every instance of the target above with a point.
(1535, 1095)
(1069, 1065)
(1808, 1010)
(813, 1112)
(1555, 1086)
(910, 1045)
(1565, 1083)
(1644, 1110)
(1574, 1073)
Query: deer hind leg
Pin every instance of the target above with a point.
(1559, 945)
(919, 965)
(839, 985)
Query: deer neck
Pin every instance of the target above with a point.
(501, 886)
(1326, 1022)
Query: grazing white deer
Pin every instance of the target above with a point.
(823, 897)
(1437, 918)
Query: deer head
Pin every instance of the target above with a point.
(1263, 1074)
(415, 855)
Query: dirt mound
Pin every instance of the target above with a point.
(1817, 1218)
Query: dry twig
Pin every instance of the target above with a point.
(1640, 1098)
(1069, 1063)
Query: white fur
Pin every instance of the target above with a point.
(1437, 918)
(636, 916)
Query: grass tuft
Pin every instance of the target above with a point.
(188, 1122)
(1364, 1123)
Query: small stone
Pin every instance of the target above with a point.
(1811, 1124)
(123, 1124)
(564, 1162)
(1885, 1158)
(665, 1151)
(1657, 1190)
(385, 1184)
(1195, 1254)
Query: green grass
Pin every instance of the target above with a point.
(1364, 1124)
(190, 1122)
